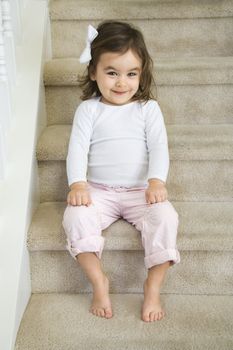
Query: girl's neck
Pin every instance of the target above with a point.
(101, 100)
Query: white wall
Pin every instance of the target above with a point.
(19, 190)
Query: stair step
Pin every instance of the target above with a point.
(205, 242)
(195, 181)
(202, 226)
(207, 320)
(199, 142)
(167, 71)
(127, 9)
(200, 272)
(181, 104)
(183, 87)
(198, 293)
(164, 37)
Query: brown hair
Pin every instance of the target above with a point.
(114, 36)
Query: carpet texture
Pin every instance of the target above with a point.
(62, 322)
(191, 43)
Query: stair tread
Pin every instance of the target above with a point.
(90, 9)
(203, 226)
(196, 142)
(206, 319)
(62, 321)
(167, 71)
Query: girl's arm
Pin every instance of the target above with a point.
(76, 162)
(157, 145)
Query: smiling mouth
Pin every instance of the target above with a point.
(119, 92)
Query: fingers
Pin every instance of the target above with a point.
(156, 199)
(77, 198)
(156, 196)
(86, 200)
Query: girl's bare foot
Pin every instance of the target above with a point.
(101, 304)
(151, 309)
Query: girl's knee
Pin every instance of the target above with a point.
(81, 221)
(83, 230)
(162, 212)
(75, 213)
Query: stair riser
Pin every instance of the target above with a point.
(180, 104)
(165, 37)
(199, 272)
(188, 181)
(212, 230)
(127, 9)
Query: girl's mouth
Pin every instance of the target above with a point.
(119, 92)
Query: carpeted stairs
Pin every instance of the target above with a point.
(191, 43)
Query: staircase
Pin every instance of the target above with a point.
(191, 43)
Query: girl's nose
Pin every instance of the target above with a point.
(120, 81)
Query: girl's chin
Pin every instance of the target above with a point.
(115, 103)
(116, 100)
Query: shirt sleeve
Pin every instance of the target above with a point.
(77, 158)
(157, 144)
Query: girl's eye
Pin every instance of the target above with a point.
(112, 73)
(132, 74)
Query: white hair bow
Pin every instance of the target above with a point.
(86, 54)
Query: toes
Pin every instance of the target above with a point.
(152, 316)
(108, 312)
(160, 315)
(93, 311)
(100, 312)
(146, 316)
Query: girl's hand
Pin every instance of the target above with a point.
(79, 194)
(156, 192)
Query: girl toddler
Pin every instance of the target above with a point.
(117, 164)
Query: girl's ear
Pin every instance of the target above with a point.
(92, 74)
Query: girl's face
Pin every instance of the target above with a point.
(117, 76)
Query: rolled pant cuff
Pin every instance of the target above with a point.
(85, 245)
(162, 257)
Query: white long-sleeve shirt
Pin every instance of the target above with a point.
(118, 145)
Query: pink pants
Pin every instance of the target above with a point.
(157, 223)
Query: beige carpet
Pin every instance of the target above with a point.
(192, 46)
(61, 321)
